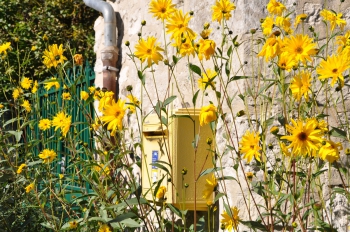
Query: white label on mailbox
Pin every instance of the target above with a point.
(154, 168)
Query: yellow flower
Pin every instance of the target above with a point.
(186, 48)
(205, 33)
(73, 224)
(210, 186)
(299, 18)
(33, 48)
(343, 42)
(330, 151)
(60, 176)
(222, 9)
(333, 18)
(286, 62)
(26, 83)
(16, 93)
(207, 114)
(206, 49)
(66, 96)
(30, 187)
(270, 49)
(100, 167)
(284, 23)
(148, 50)
(106, 100)
(300, 85)
(300, 47)
(249, 175)
(113, 115)
(104, 228)
(20, 169)
(284, 149)
(78, 59)
(177, 26)
(249, 146)
(63, 122)
(231, 219)
(207, 79)
(45, 38)
(304, 138)
(161, 192)
(274, 130)
(52, 83)
(47, 155)
(4, 47)
(134, 103)
(320, 125)
(35, 87)
(44, 124)
(275, 8)
(92, 89)
(84, 95)
(333, 68)
(161, 9)
(96, 124)
(1, 106)
(26, 105)
(267, 25)
(54, 56)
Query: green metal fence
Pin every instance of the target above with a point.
(50, 102)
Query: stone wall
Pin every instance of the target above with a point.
(246, 17)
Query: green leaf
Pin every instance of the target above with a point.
(336, 132)
(196, 69)
(175, 59)
(158, 165)
(254, 225)
(123, 216)
(169, 100)
(11, 121)
(17, 134)
(229, 51)
(175, 210)
(234, 78)
(227, 69)
(141, 77)
(194, 99)
(218, 196)
(210, 170)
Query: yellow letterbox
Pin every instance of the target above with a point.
(173, 145)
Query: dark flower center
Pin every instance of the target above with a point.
(335, 70)
(299, 50)
(251, 146)
(302, 136)
(163, 9)
(149, 51)
(57, 57)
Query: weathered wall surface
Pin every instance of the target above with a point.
(246, 16)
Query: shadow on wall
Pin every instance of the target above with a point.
(120, 27)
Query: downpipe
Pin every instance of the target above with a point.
(109, 54)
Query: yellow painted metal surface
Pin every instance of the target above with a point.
(174, 145)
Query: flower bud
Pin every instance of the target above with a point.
(209, 141)
(253, 31)
(186, 185)
(206, 25)
(270, 146)
(347, 151)
(139, 34)
(240, 113)
(184, 171)
(127, 43)
(191, 12)
(295, 225)
(143, 22)
(129, 88)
